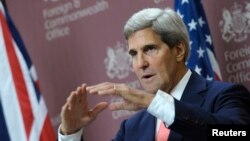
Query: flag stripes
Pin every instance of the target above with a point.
(23, 113)
(17, 76)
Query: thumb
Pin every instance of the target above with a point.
(98, 108)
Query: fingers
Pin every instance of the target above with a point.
(76, 96)
(99, 108)
(75, 112)
(104, 89)
(71, 100)
(133, 99)
(116, 106)
(122, 106)
(81, 93)
(65, 109)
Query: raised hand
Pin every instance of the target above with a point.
(133, 99)
(75, 113)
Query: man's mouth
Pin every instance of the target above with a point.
(147, 76)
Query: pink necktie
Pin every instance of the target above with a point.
(163, 133)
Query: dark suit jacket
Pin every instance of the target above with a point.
(202, 103)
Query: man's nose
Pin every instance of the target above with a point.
(142, 61)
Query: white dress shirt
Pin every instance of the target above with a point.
(161, 107)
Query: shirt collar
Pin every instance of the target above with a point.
(181, 85)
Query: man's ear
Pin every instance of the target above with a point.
(180, 52)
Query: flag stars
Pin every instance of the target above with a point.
(201, 22)
(200, 38)
(200, 52)
(184, 1)
(209, 39)
(197, 69)
(192, 25)
(179, 13)
(209, 78)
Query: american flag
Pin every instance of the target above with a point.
(202, 57)
(23, 114)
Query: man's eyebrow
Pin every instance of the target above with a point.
(149, 45)
(142, 48)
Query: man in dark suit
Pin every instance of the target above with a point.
(175, 99)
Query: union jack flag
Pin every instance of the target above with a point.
(202, 57)
(23, 114)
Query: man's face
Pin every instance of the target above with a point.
(154, 63)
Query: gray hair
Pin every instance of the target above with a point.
(166, 23)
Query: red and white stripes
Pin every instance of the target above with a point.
(24, 109)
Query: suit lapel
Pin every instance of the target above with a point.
(194, 90)
(147, 129)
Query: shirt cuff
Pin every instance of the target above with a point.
(72, 137)
(162, 107)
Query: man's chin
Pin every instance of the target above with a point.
(151, 91)
(149, 88)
